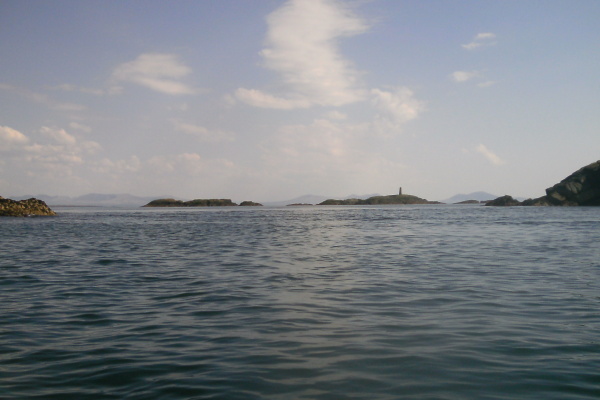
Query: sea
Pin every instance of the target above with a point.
(342, 302)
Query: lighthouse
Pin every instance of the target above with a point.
(400, 191)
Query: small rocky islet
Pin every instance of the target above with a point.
(24, 208)
(379, 200)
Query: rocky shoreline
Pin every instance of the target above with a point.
(581, 188)
(24, 208)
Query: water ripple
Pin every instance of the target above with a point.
(416, 302)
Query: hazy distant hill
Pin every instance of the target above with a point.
(479, 196)
(94, 199)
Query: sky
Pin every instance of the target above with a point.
(267, 100)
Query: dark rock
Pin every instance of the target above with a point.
(503, 201)
(24, 208)
(191, 203)
(540, 201)
(581, 188)
(377, 200)
(250, 204)
(469, 202)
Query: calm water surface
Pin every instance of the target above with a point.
(409, 302)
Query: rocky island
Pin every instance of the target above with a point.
(249, 204)
(24, 208)
(199, 203)
(581, 188)
(379, 200)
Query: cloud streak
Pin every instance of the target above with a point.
(480, 40)
(489, 155)
(301, 46)
(202, 133)
(464, 76)
(156, 71)
(41, 98)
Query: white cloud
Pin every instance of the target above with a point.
(156, 71)
(59, 135)
(261, 99)
(59, 151)
(10, 137)
(301, 46)
(463, 76)
(398, 105)
(491, 156)
(481, 40)
(203, 133)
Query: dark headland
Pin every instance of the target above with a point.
(24, 208)
(581, 188)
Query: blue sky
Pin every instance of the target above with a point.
(268, 100)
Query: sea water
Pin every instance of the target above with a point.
(380, 302)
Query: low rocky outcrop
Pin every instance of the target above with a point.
(581, 188)
(24, 208)
(469, 202)
(191, 203)
(250, 204)
(379, 200)
(503, 201)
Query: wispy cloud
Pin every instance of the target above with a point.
(67, 87)
(400, 103)
(326, 154)
(41, 98)
(464, 76)
(59, 135)
(481, 40)
(261, 99)
(156, 71)
(10, 137)
(53, 150)
(491, 156)
(301, 46)
(202, 133)
(80, 127)
(486, 84)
